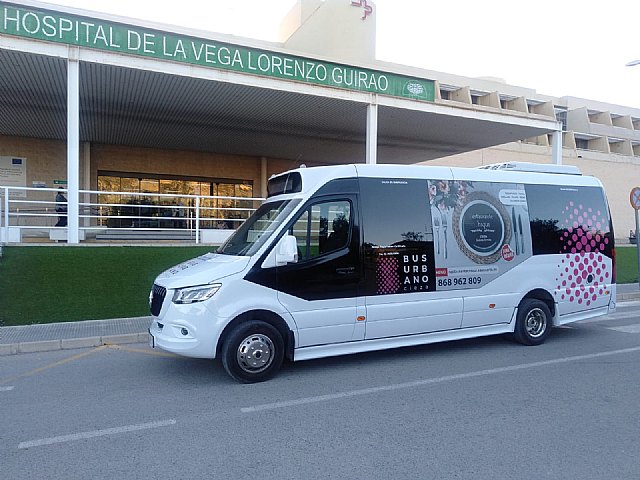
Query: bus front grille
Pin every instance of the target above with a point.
(157, 299)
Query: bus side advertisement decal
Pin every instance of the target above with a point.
(574, 222)
(480, 231)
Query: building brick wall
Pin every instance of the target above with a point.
(46, 159)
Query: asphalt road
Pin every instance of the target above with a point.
(478, 409)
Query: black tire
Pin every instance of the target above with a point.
(252, 352)
(533, 322)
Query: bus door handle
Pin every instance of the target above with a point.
(346, 271)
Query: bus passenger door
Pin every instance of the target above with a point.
(321, 289)
(400, 247)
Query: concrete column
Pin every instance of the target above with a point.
(73, 145)
(86, 181)
(372, 134)
(556, 147)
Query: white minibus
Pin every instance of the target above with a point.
(354, 258)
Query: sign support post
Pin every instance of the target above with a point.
(634, 198)
(638, 244)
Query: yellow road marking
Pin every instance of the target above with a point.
(143, 351)
(53, 365)
(84, 354)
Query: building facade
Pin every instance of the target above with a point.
(100, 103)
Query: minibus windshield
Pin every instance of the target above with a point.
(252, 234)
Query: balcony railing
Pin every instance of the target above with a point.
(30, 214)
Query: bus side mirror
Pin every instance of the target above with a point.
(285, 251)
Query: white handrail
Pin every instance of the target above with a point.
(197, 219)
(33, 210)
(5, 223)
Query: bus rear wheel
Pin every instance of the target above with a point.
(533, 322)
(253, 352)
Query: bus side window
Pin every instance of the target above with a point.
(322, 228)
(339, 235)
(299, 230)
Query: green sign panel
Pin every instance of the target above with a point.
(79, 31)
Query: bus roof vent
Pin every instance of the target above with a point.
(534, 167)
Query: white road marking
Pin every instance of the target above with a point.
(95, 433)
(613, 316)
(621, 315)
(630, 303)
(6, 389)
(431, 381)
(627, 328)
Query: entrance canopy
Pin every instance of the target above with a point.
(129, 106)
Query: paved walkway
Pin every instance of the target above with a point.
(92, 333)
(67, 335)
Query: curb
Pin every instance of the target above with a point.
(88, 342)
(72, 343)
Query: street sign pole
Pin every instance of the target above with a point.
(638, 243)
(634, 198)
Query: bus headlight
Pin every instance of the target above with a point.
(195, 294)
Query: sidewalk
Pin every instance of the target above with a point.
(68, 335)
(93, 333)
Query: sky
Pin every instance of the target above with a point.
(557, 47)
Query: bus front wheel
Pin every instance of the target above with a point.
(253, 352)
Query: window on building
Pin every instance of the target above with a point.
(221, 205)
(582, 144)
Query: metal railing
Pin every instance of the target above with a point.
(103, 215)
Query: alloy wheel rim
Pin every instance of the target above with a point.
(255, 353)
(536, 323)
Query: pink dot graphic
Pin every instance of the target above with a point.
(387, 278)
(582, 241)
